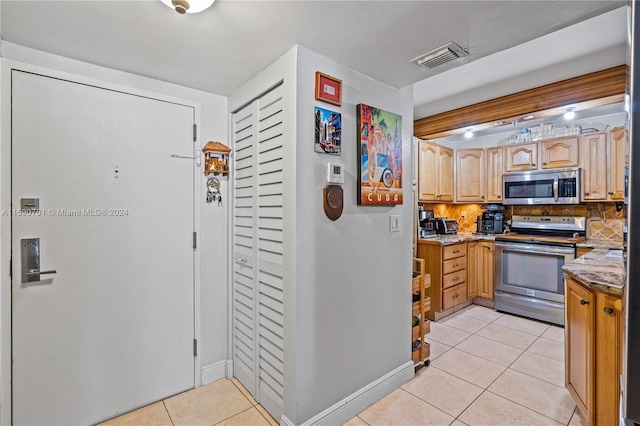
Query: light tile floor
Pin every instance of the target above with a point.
(487, 368)
(223, 402)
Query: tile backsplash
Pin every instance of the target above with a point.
(603, 221)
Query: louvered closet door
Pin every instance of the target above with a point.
(244, 247)
(258, 245)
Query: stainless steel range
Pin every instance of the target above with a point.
(528, 262)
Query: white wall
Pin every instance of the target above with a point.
(347, 283)
(354, 276)
(212, 116)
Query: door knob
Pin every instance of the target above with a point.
(33, 273)
(30, 260)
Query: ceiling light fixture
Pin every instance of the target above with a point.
(468, 134)
(498, 123)
(527, 117)
(569, 113)
(188, 6)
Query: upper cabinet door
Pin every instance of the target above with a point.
(445, 174)
(618, 151)
(593, 162)
(494, 174)
(427, 171)
(559, 153)
(469, 175)
(521, 157)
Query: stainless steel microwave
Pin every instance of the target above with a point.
(558, 186)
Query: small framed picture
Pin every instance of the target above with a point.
(328, 131)
(328, 89)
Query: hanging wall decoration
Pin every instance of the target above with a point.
(379, 156)
(328, 131)
(216, 158)
(328, 89)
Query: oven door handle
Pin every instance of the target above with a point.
(530, 250)
(556, 193)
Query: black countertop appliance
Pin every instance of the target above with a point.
(491, 221)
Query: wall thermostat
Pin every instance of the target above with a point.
(335, 173)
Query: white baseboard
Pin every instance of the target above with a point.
(213, 372)
(229, 368)
(349, 407)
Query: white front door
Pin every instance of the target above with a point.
(113, 328)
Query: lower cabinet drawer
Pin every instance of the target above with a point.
(453, 265)
(454, 296)
(454, 278)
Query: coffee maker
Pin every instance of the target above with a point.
(425, 219)
(491, 221)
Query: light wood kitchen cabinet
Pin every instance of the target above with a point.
(593, 328)
(579, 327)
(469, 175)
(494, 174)
(485, 261)
(593, 162)
(521, 157)
(435, 172)
(480, 264)
(472, 269)
(603, 175)
(559, 153)
(618, 155)
(447, 266)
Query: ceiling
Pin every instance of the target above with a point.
(223, 47)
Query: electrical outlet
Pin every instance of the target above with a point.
(463, 215)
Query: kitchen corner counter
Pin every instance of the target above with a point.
(596, 243)
(598, 271)
(460, 237)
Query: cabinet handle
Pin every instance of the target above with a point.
(586, 193)
(533, 164)
(482, 197)
(456, 252)
(456, 279)
(455, 296)
(455, 265)
(544, 163)
(583, 302)
(498, 196)
(610, 193)
(608, 310)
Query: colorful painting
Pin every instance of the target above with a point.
(328, 132)
(379, 156)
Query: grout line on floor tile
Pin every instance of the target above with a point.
(528, 408)
(240, 412)
(168, 413)
(243, 391)
(363, 420)
(426, 402)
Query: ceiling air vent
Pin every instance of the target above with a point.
(440, 55)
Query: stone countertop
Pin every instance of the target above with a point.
(596, 243)
(460, 237)
(598, 271)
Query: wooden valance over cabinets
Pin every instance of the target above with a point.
(587, 91)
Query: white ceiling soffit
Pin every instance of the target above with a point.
(601, 41)
(221, 48)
